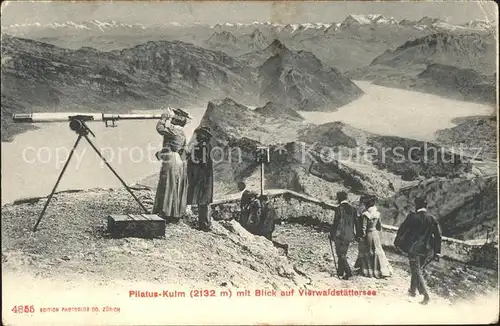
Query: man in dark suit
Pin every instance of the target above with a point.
(420, 237)
(201, 175)
(343, 233)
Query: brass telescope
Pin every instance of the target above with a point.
(108, 118)
(78, 124)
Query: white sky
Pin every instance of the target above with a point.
(209, 12)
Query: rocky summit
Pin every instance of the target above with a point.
(278, 111)
(300, 79)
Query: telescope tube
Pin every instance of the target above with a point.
(65, 117)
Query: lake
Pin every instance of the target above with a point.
(33, 161)
(398, 112)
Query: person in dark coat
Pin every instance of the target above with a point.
(359, 221)
(420, 237)
(200, 175)
(343, 233)
(255, 216)
(250, 209)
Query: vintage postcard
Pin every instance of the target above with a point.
(249, 162)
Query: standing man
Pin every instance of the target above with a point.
(361, 207)
(201, 176)
(343, 232)
(420, 237)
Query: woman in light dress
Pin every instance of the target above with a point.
(372, 260)
(170, 199)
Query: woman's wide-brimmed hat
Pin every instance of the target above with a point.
(182, 113)
(170, 112)
(204, 130)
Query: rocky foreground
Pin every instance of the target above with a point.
(72, 241)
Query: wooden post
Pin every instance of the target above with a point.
(262, 178)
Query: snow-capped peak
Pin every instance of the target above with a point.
(367, 19)
(294, 27)
(86, 25)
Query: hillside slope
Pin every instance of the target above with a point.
(476, 136)
(466, 208)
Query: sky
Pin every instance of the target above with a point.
(213, 12)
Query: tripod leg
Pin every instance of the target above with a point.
(116, 174)
(57, 182)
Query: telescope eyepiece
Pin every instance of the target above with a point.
(76, 125)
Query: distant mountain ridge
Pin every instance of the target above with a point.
(461, 67)
(349, 20)
(111, 35)
(234, 46)
(471, 51)
(42, 77)
(367, 19)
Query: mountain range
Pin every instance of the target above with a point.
(42, 77)
(345, 45)
(354, 19)
(36, 74)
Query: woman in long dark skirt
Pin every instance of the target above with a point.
(372, 257)
(169, 203)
